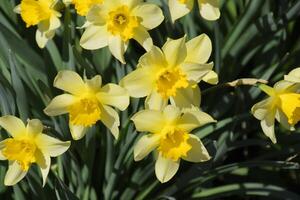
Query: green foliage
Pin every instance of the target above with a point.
(252, 39)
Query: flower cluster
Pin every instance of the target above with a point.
(167, 77)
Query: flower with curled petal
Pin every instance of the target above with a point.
(87, 102)
(169, 134)
(28, 145)
(113, 23)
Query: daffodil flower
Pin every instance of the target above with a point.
(43, 14)
(293, 76)
(169, 134)
(283, 104)
(28, 145)
(172, 73)
(83, 6)
(87, 102)
(113, 23)
(209, 9)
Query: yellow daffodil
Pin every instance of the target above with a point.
(87, 102)
(172, 73)
(283, 104)
(28, 145)
(83, 6)
(43, 14)
(113, 23)
(293, 76)
(169, 134)
(209, 9)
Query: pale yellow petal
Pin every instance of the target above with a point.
(199, 49)
(44, 162)
(54, 23)
(267, 125)
(155, 101)
(97, 14)
(198, 152)
(171, 113)
(178, 10)
(14, 174)
(150, 14)
(149, 121)
(94, 83)
(145, 145)
(175, 51)
(59, 105)
(69, 81)
(117, 47)
(13, 125)
(114, 95)
(142, 36)
(187, 97)
(154, 59)
(283, 120)
(41, 38)
(196, 72)
(211, 78)
(94, 37)
(282, 86)
(34, 127)
(2, 146)
(110, 119)
(138, 83)
(132, 3)
(52, 146)
(77, 131)
(293, 76)
(165, 168)
(209, 9)
(262, 108)
(193, 118)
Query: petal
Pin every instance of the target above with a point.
(194, 118)
(2, 146)
(175, 51)
(77, 131)
(165, 168)
(199, 49)
(211, 78)
(262, 108)
(110, 119)
(283, 120)
(293, 76)
(17, 9)
(69, 81)
(178, 10)
(34, 127)
(138, 83)
(54, 23)
(14, 174)
(59, 105)
(267, 125)
(171, 113)
(209, 9)
(198, 152)
(41, 38)
(151, 15)
(114, 95)
(13, 125)
(145, 145)
(94, 37)
(44, 162)
(132, 3)
(196, 72)
(95, 83)
(187, 97)
(117, 47)
(142, 36)
(97, 15)
(149, 120)
(154, 59)
(155, 101)
(52, 146)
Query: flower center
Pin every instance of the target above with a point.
(290, 106)
(182, 1)
(85, 111)
(83, 6)
(35, 11)
(120, 22)
(23, 151)
(169, 80)
(174, 144)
